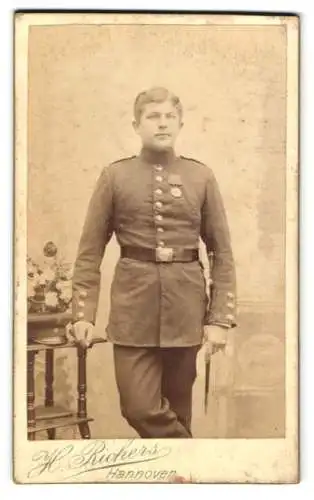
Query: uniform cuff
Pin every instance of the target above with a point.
(84, 306)
(222, 309)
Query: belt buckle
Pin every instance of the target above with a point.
(164, 254)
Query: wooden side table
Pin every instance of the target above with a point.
(50, 416)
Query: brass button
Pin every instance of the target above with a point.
(158, 178)
(230, 317)
(161, 244)
(158, 191)
(158, 204)
(159, 217)
(230, 305)
(160, 229)
(230, 295)
(81, 303)
(83, 294)
(158, 168)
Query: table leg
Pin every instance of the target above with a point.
(81, 403)
(49, 386)
(31, 394)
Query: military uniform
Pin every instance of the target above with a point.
(159, 205)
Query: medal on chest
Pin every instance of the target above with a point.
(175, 182)
(176, 192)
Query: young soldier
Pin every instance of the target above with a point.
(159, 205)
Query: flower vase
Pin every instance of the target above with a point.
(37, 305)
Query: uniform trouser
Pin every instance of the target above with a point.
(155, 386)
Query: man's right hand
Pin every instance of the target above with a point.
(82, 332)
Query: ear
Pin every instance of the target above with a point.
(181, 125)
(135, 126)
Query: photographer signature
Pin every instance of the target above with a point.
(96, 455)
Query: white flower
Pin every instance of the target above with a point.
(41, 279)
(64, 285)
(48, 275)
(51, 299)
(66, 294)
(69, 273)
(66, 289)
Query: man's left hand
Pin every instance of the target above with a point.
(215, 338)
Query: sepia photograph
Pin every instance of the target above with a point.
(156, 305)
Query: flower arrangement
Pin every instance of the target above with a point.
(49, 282)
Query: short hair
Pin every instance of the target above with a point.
(155, 94)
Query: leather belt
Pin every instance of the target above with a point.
(160, 254)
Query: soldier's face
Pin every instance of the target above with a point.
(159, 125)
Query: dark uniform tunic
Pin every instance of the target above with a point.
(165, 202)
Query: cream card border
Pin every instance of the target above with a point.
(203, 460)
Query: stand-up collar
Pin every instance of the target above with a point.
(157, 157)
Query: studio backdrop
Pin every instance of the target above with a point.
(232, 83)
